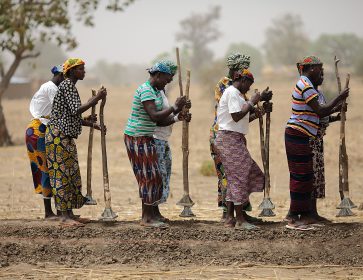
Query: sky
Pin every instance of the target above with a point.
(148, 27)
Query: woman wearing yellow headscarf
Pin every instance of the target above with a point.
(65, 125)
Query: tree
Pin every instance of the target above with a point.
(286, 41)
(254, 53)
(24, 22)
(347, 47)
(39, 67)
(197, 31)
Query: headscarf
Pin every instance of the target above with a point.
(244, 73)
(57, 69)
(308, 60)
(164, 66)
(238, 61)
(70, 63)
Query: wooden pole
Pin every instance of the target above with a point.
(90, 200)
(343, 156)
(267, 157)
(336, 60)
(185, 142)
(108, 214)
(179, 72)
(106, 185)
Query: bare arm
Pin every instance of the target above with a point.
(328, 109)
(246, 108)
(156, 116)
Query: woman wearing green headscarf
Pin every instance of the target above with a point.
(146, 113)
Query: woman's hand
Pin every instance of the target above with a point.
(188, 104)
(256, 97)
(179, 104)
(91, 118)
(267, 106)
(98, 127)
(266, 95)
(344, 94)
(185, 116)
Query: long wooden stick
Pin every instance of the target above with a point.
(262, 143)
(185, 142)
(89, 155)
(343, 156)
(267, 155)
(106, 185)
(179, 72)
(336, 60)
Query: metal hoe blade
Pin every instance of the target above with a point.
(108, 215)
(90, 201)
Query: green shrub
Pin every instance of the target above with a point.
(207, 168)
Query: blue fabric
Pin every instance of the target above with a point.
(164, 161)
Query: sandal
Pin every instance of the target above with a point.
(72, 223)
(245, 226)
(301, 227)
(158, 224)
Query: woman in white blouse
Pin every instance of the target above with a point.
(243, 174)
(40, 108)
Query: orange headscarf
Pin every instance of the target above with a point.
(70, 63)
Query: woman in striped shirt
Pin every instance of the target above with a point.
(301, 127)
(147, 112)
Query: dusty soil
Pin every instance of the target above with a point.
(200, 249)
(184, 244)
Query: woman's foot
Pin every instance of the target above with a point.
(230, 222)
(67, 222)
(224, 216)
(251, 219)
(245, 226)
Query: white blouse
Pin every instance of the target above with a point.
(232, 102)
(41, 103)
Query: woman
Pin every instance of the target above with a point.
(40, 108)
(146, 113)
(303, 125)
(242, 173)
(65, 125)
(235, 62)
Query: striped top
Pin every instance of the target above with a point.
(139, 122)
(303, 117)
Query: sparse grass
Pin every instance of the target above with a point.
(207, 168)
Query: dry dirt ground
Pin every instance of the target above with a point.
(202, 248)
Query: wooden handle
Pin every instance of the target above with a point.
(179, 72)
(106, 185)
(185, 142)
(89, 154)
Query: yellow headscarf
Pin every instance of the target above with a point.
(70, 63)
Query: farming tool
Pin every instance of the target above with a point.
(346, 204)
(266, 205)
(186, 201)
(90, 200)
(108, 215)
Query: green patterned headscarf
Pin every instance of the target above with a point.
(165, 66)
(238, 61)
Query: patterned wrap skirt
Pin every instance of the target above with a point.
(144, 162)
(163, 152)
(243, 174)
(317, 145)
(222, 181)
(64, 173)
(35, 143)
(300, 160)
